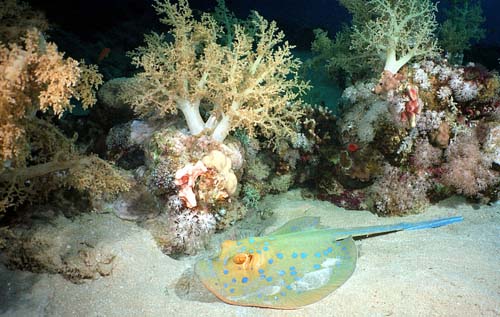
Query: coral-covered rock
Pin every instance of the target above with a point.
(185, 179)
(222, 164)
(137, 204)
(79, 249)
(492, 144)
(441, 136)
(397, 192)
(467, 170)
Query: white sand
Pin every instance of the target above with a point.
(448, 271)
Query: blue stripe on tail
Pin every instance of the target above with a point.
(433, 223)
(365, 231)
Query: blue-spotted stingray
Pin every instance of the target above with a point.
(297, 265)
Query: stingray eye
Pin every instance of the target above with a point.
(241, 258)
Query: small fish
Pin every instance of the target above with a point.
(297, 265)
(103, 54)
(352, 147)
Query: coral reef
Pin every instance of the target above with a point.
(387, 36)
(212, 121)
(35, 157)
(194, 179)
(249, 83)
(398, 32)
(418, 126)
(398, 192)
(467, 170)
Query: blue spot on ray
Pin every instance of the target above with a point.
(303, 255)
(281, 272)
(294, 255)
(251, 240)
(265, 248)
(316, 266)
(225, 272)
(233, 280)
(279, 255)
(270, 261)
(244, 280)
(292, 268)
(261, 271)
(328, 251)
(317, 254)
(269, 279)
(231, 290)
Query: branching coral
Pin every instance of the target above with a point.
(35, 157)
(35, 76)
(18, 17)
(461, 27)
(358, 10)
(251, 83)
(381, 31)
(228, 20)
(336, 53)
(398, 32)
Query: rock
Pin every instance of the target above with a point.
(75, 248)
(138, 204)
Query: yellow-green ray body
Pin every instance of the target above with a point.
(297, 265)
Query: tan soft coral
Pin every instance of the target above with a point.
(34, 76)
(256, 88)
(17, 17)
(249, 83)
(35, 157)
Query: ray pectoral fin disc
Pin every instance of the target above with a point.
(283, 278)
(291, 268)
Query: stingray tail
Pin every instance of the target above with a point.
(365, 231)
(433, 223)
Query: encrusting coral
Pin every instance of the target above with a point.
(250, 83)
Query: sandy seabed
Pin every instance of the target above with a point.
(447, 271)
